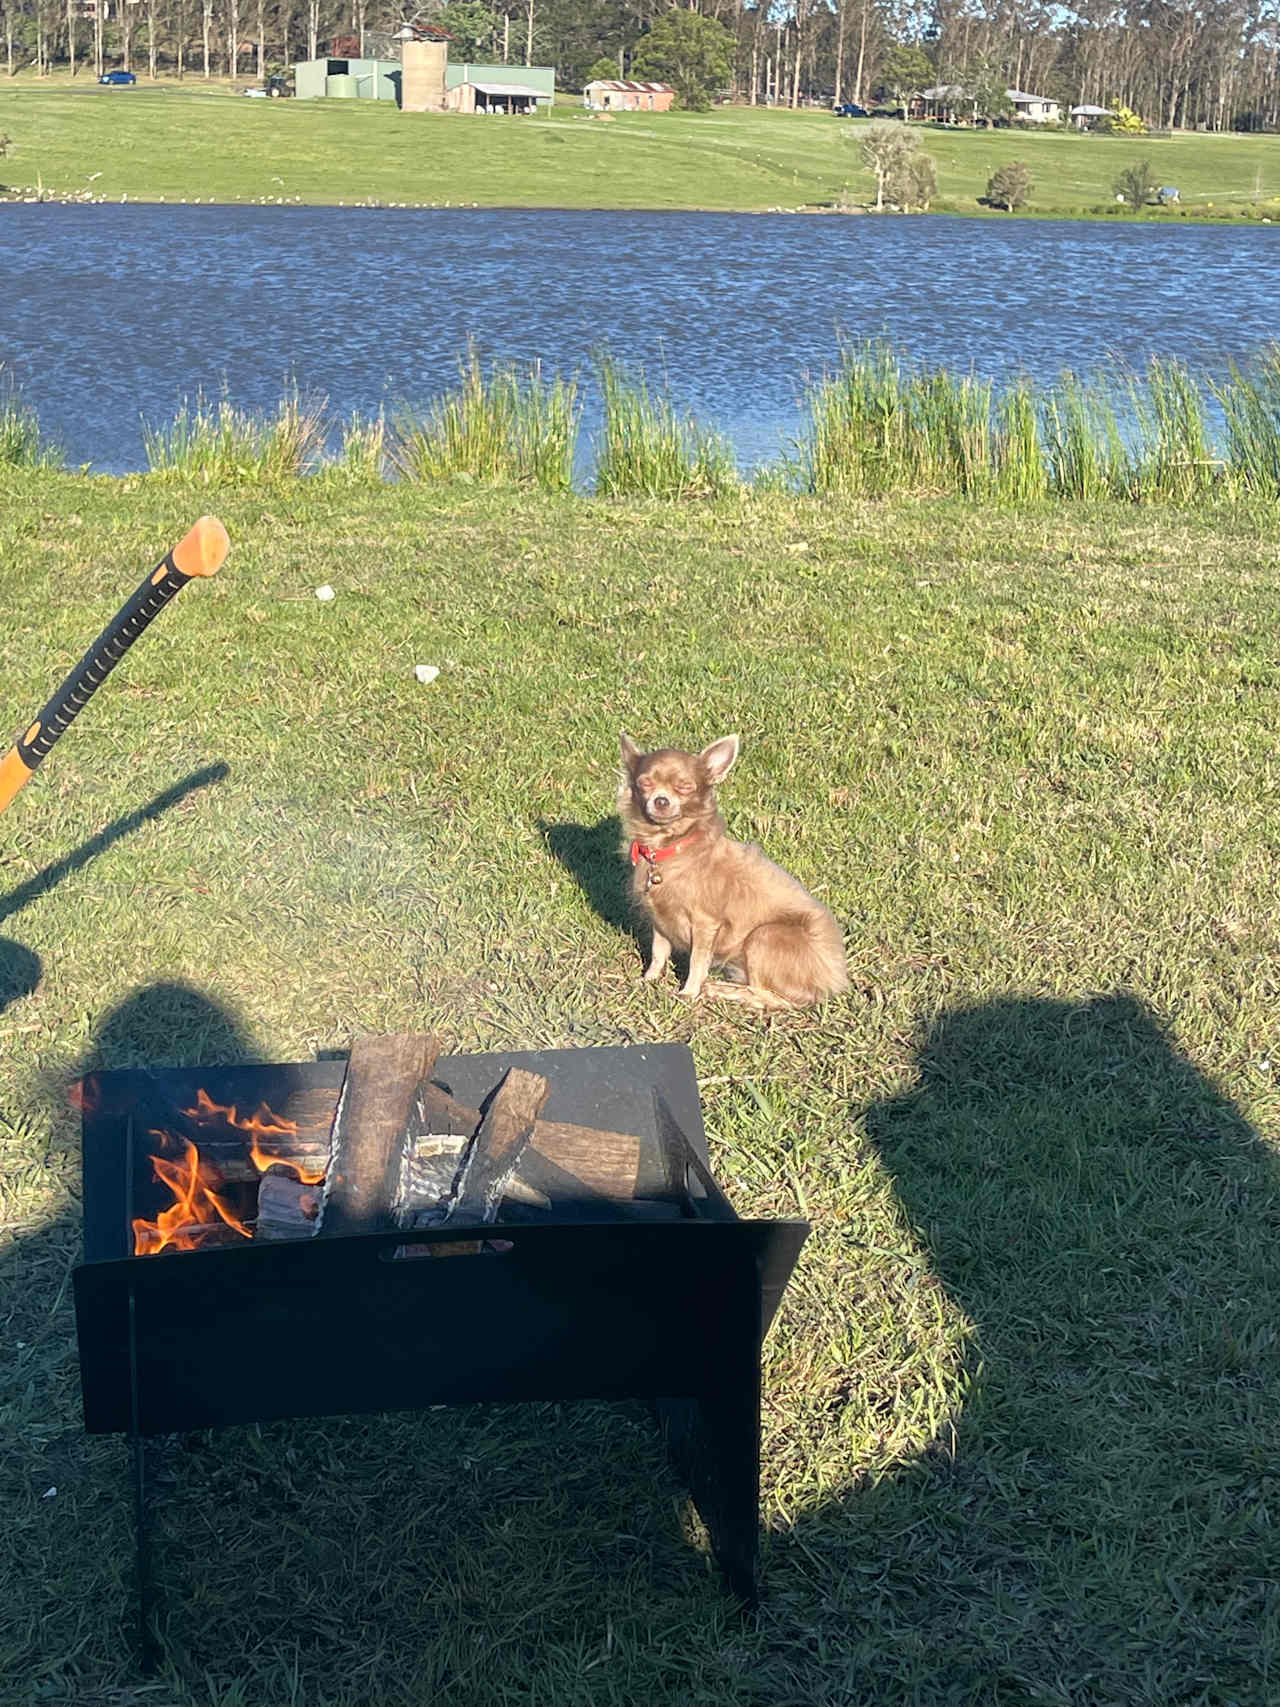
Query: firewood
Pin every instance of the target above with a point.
(606, 1163)
(287, 1209)
(496, 1149)
(293, 1129)
(427, 1178)
(370, 1127)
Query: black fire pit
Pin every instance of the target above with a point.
(660, 1294)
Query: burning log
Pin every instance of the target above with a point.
(370, 1128)
(503, 1137)
(288, 1208)
(241, 1146)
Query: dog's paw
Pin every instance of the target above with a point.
(686, 994)
(653, 975)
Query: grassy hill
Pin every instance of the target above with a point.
(188, 142)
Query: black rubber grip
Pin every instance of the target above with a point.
(98, 662)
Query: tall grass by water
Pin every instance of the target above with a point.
(505, 426)
(879, 424)
(1250, 405)
(647, 450)
(22, 444)
(220, 443)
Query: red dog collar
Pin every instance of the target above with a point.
(639, 851)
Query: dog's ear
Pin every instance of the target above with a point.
(630, 752)
(716, 761)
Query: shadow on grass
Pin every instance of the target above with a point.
(43, 881)
(1101, 1524)
(590, 855)
(20, 970)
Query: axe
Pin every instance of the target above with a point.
(199, 552)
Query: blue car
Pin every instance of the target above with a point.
(117, 77)
(850, 110)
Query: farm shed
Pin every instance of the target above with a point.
(492, 98)
(350, 79)
(621, 96)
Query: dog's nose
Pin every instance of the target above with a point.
(661, 801)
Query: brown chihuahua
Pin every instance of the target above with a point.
(720, 901)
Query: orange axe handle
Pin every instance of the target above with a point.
(198, 553)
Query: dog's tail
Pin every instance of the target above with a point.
(791, 963)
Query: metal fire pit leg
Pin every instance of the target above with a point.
(147, 1650)
(714, 1443)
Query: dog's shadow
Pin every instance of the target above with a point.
(590, 855)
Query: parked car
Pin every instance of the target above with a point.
(850, 110)
(117, 77)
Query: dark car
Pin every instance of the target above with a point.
(850, 110)
(117, 77)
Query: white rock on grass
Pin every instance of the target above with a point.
(325, 593)
(426, 672)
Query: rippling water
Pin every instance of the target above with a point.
(113, 315)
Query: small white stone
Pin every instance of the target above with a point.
(325, 593)
(426, 672)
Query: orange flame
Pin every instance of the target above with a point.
(196, 1212)
(264, 1123)
(198, 1216)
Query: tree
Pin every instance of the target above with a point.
(472, 27)
(1123, 121)
(1009, 186)
(887, 149)
(991, 98)
(1137, 184)
(904, 71)
(692, 53)
(603, 71)
(917, 184)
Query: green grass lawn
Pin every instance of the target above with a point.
(185, 142)
(1022, 1402)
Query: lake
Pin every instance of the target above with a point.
(110, 316)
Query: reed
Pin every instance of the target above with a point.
(1250, 404)
(22, 444)
(1022, 470)
(504, 427)
(363, 452)
(1173, 458)
(647, 450)
(1084, 448)
(218, 443)
(855, 445)
(877, 426)
(952, 433)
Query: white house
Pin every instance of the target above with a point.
(1037, 108)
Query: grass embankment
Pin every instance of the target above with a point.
(1022, 1403)
(183, 142)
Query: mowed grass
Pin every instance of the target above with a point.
(188, 142)
(1022, 1401)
